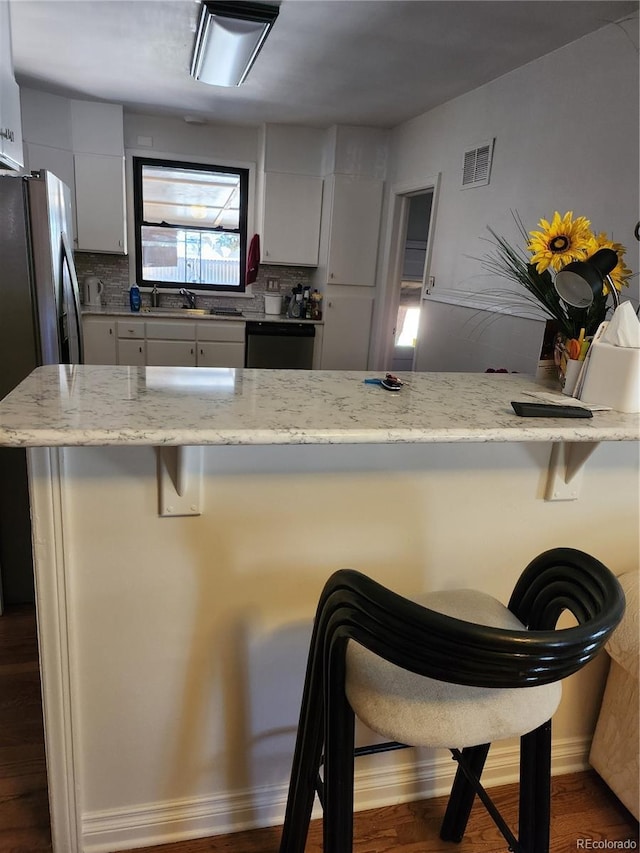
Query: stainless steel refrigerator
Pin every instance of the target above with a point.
(40, 323)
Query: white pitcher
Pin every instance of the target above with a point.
(93, 288)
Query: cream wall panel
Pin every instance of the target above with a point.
(189, 634)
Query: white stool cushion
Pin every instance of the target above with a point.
(419, 711)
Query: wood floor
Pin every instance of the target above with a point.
(24, 810)
(585, 813)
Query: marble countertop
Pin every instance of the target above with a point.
(105, 405)
(173, 313)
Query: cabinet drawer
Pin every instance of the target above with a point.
(171, 330)
(130, 328)
(221, 330)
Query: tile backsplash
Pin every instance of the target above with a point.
(113, 271)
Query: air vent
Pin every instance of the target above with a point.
(476, 170)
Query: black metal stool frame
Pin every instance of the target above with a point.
(355, 607)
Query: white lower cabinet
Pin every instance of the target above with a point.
(131, 342)
(100, 340)
(132, 352)
(171, 343)
(171, 353)
(346, 333)
(166, 343)
(220, 354)
(220, 344)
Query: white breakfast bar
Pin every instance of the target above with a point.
(184, 522)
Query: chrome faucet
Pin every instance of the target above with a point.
(189, 297)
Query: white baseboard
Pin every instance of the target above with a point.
(408, 779)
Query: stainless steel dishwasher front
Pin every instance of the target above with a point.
(280, 345)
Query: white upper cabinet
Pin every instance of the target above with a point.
(11, 156)
(353, 230)
(100, 203)
(292, 211)
(82, 142)
(98, 154)
(96, 128)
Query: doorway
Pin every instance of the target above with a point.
(406, 275)
(412, 280)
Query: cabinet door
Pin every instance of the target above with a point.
(99, 340)
(346, 333)
(11, 155)
(292, 210)
(171, 353)
(100, 203)
(354, 231)
(131, 351)
(220, 354)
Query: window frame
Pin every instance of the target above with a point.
(244, 174)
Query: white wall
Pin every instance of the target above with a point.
(566, 130)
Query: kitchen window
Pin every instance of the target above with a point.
(190, 225)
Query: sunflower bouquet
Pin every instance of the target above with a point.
(551, 248)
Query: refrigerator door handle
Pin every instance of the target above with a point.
(66, 258)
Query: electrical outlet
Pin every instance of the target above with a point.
(273, 284)
(431, 283)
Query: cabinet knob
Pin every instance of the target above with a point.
(330, 275)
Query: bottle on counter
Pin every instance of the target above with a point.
(135, 300)
(316, 305)
(155, 297)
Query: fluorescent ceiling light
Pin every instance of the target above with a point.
(229, 39)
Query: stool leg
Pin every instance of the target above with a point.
(338, 778)
(535, 789)
(306, 762)
(462, 794)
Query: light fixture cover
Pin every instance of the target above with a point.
(229, 38)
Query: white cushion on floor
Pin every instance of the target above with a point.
(412, 709)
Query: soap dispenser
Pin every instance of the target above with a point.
(135, 300)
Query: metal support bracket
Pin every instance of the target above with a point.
(179, 481)
(566, 466)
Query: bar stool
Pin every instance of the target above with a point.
(460, 670)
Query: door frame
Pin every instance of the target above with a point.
(397, 218)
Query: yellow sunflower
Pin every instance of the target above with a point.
(621, 273)
(560, 241)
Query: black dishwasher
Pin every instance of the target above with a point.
(280, 345)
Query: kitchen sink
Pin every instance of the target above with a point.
(196, 312)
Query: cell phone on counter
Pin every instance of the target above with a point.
(549, 410)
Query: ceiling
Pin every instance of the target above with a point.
(356, 62)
